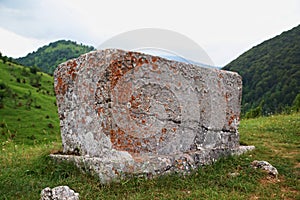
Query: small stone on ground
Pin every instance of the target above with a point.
(59, 193)
(264, 165)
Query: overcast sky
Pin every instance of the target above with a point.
(224, 29)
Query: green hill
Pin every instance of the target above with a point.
(48, 57)
(28, 111)
(271, 73)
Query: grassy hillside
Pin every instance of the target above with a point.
(25, 171)
(48, 57)
(271, 73)
(30, 132)
(28, 114)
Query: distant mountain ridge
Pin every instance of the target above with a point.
(47, 58)
(270, 72)
(180, 59)
(170, 55)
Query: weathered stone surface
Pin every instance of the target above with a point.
(127, 112)
(266, 166)
(59, 193)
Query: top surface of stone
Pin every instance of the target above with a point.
(119, 104)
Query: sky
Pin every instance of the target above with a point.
(223, 29)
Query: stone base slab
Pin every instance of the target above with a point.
(109, 170)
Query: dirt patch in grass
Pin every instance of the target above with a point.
(287, 190)
(271, 180)
(254, 197)
(287, 193)
(297, 165)
(291, 154)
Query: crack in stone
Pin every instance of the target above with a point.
(175, 121)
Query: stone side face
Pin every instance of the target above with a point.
(126, 105)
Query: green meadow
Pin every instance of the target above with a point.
(29, 132)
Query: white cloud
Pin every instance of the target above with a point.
(14, 45)
(224, 28)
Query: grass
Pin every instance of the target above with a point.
(25, 167)
(29, 113)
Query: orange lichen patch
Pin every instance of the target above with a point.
(113, 136)
(72, 64)
(122, 65)
(91, 90)
(220, 75)
(125, 142)
(154, 67)
(154, 59)
(227, 97)
(166, 106)
(158, 72)
(134, 101)
(219, 83)
(231, 119)
(130, 55)
(61, 87)
(138, 159)
(100, 110)
(119, 142)
(164, 130)
(179, 164)
(130, 168)
(72, 69)
(145, 141)
(140, 62)
(161, 139)
(73, 76)
(116, 72)
(124, 92)
(116, 171)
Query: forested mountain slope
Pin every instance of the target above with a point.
(271, 73)
(48, 57)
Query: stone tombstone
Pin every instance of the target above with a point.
(130, 113)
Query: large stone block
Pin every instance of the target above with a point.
(127, 112)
